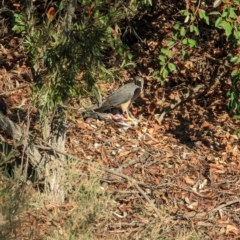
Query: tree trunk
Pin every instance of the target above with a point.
(49, 165)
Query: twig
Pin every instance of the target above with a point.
(189, 190)
(12, 90)
(131, 224)
(177, 102)
(140, 159)
(193, 93)
(202, 214)
(133, 181)
(224, 205)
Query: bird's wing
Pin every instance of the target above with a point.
(136, 94)
(121, 95)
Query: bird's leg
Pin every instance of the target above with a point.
(130, 117)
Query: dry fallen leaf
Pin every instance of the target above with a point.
(123, 153)
(189, 180)
(231, 228)
(235, 151)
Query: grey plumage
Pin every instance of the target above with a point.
(123, 96)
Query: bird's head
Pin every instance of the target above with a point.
(139, 81)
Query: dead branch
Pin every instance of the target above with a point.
(224, 205)
(140, 159)
(191, 94)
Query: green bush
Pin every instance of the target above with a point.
(67, 46)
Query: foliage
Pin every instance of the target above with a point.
(182, 36)
(66, 46)
(6, 154)
(186, 35)
(229, 22)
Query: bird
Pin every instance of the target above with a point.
(123, 97)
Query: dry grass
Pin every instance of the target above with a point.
(87, 213)
(29, 213)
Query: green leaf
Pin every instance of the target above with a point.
(228, 94)
(123, 63)
(109, 30)
(235, 73)
(175, 36)
(218, 22)
(125, 46)
(16, 17)
(184, 54)
(167, 52)
(162, 58)
(164, 73)
(236, 117)
(234, 59)
(201, 13)
(206, 18)
(234, 105)
(19, 29)
(171, 67)
(182, 31)
(61, 5)
(236, 34)
(225, 13)
(162, 81)
(111, 44)
(120, 51)
(184, 12)
(227, 27)
(196, 30)
(236, 132)
(184, 41)
(170, 43)
(129, 56)
(191, 28)
(176, 26)
(155, 74)
(164, 50)
(214, 13)
(232, 13)
(192, 42)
